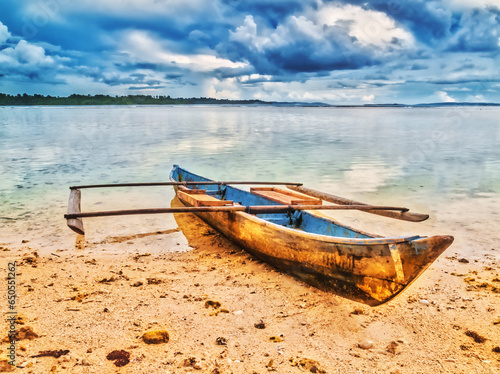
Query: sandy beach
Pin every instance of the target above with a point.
(82, 298)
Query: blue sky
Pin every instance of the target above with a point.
(338, 52)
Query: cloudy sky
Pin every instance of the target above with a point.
(338, 52)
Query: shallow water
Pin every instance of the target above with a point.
(444, 161)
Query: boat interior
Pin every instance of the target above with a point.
(222, 194)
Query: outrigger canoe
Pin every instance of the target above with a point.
(316, 249)
(284, 227)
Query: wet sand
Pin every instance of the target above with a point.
(227, 312)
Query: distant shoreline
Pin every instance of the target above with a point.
(93, 100)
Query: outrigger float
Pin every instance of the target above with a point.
(285, 228)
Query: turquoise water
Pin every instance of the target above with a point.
(441, 160)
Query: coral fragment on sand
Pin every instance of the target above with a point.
(52, 353)
(306, 364)
(120, 358)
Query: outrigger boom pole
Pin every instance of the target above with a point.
(74, 215)
(190, 183)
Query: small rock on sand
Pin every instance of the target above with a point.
(276, 339)
(365, 344)
(192, 362)
(221, 341)
(260, 325)
(154, 280)
(306, 364)
(212, 304)
(26, 332)
(474, 335)
(155, 337)
(357, 312)
(393, 347)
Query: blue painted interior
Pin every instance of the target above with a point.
(299, 220)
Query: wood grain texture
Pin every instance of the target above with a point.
(75, 224)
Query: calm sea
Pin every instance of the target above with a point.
(443, 161)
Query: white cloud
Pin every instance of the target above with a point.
(24, 58)
(24, 54)
(223, 89)
(4, 33)
(370, 28)
(368, 98)
(367, 26)
(27, 53)
(475, 99)
(142, 47)
(254, 77)
(444, 97)
(248, 34)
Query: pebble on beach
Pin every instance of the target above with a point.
(260, 325)
(357, 312)
(221, 341)
(155, 337)
(276, 339)
(474, 335)
(392, 347)
(192, 362)
(365, 344)
(212, 304)
(306, 364)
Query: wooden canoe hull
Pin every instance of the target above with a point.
(371, 270)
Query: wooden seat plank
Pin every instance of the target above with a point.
(202, 199)
(286, 197)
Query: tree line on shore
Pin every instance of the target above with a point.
(76, 99)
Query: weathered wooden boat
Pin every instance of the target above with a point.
(312, 247)
(284, 227)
